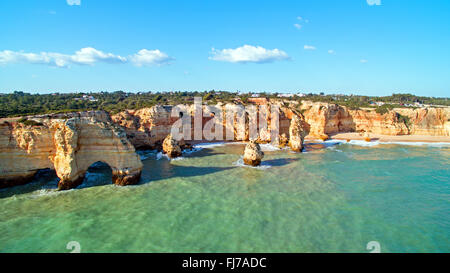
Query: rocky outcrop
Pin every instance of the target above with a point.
(148, 127)
(297, 132)
(253, 154)
(171, 147)
(68, 146)
(283, 141)
(327, 119)
(427, 121)
(71, 143)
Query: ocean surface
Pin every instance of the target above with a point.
(336, 197)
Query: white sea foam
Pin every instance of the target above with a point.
(209, 145)
(47, 191)
(240, 163)
(364, 143)
(146, 154)
(431, 144)
(334, 148)
(264, 147)
(270, 148)
(161, 155)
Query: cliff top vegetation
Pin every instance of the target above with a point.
(21, 104)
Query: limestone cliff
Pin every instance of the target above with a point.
(148, 127)
(428, 121)
(69, 146)
(327, 119)
(70, 143)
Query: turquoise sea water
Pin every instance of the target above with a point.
(334, 198)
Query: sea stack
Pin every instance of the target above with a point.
(283, 141)
(297, 133)
(171, 147)
(253, 154)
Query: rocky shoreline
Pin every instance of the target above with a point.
(71, 143)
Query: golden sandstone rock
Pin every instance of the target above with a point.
(69, 147)
(283, 141)
(171, 147)
(297, 133)
(328, 119)
(253, 154)
(71, 143)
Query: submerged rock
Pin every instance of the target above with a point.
(253, 154)
(171, 147)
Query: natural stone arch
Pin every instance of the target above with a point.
(91, 143)
(69, 147)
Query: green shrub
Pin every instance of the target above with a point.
(28, 122)
(384, 109)
(404, 119)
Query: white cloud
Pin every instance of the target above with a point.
(331, 51)
(309, 47)
(91, 55)
(147, 57)
(73, 2)
(374, 2)
(248, 54)
(299, 18)
(364, 61)
(84, 56)
(297, 26)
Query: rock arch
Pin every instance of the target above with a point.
(69, 147)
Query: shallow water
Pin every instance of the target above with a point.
(336, 197)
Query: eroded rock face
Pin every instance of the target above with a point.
(372, 122)
(297, 133)
(428, 121)
(171, 147)
(326, 119)
(283, 141)
(69, 147)
(253, 154)
(148, 127)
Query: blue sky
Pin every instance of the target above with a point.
(331, 46)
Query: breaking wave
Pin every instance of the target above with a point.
(363, 143)
(240, 163)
